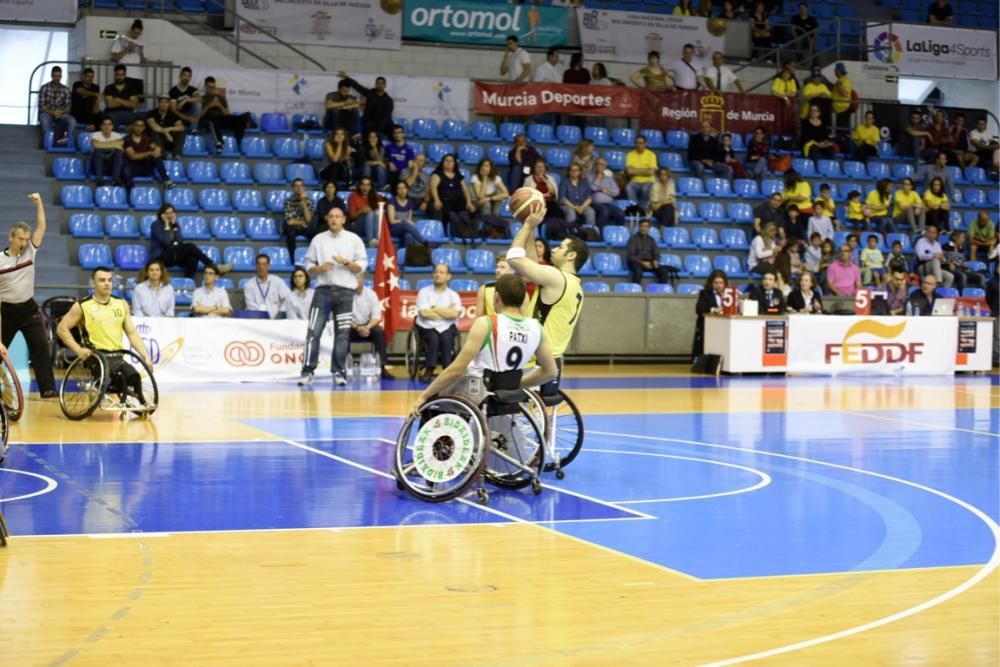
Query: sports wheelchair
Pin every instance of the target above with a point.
(415, 353)
(11, 395)
(115, 381)
(486, 432)
(563, 427)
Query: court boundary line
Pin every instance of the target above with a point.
(50, 485)
(985, 570)
(929, 425)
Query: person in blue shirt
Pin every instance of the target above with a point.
(399, 155)
(167, 245)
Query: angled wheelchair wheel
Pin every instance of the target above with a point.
(144, 397)
(10, 390)
(4, 434)
(441, 452)
(412, 354)
(83, 387)
(565, 426)
(517, 449)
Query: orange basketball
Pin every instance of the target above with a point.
(521, 200)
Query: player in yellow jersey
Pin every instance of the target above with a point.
(484, 297)
(102, 319)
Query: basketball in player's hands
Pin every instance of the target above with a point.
(521, 202)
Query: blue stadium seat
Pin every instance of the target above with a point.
(805, 166)
(456, 130)
(855, 170)
(675, 162)
(145, 198)
(202, 171)
(485, 132)
(214, 200)
(829, 169)
(247, 201)
(713, 212)
(623, 136)
(175, 171)
(314, 148)
(433, 231)
(675, 261)
(993, 196)
(230, 149)
(85, 142)
(967, 219)
(68, 169)
(262, 229)
(121, 226)
(706, 238)
(303, 171)
(901, 170)
(404, 284)
(659, 288)
(465, 285)
(275, 123)
(499, 154)
(558, 158)
(300, 256)
(280, 261)
(691, 187)
(111, 198)
(470, 153)
(184, 290)
(145, 225)
(904, 239)
(194, 146)
(771, 185)
(599, 135)
(480, 261)
(426, 128)
(131, 256)
(276, 200)
(449, 256)
(974, 197)
(50, 147)
(698, 266)
(946, 292)
(269, 173)
(436, 152)
(746, 188)
(424, 282)
(85, 226)
(616, 160)
(241, 257)
(738, 145)
(977, 175)
(734, 239)
(181, 199)
(596, 287)
(193, 227)
(616, 236)
(686, 212)
(732, 265)
(227, 228)
(628, 288)
(309, 123)
(568, 135)
(510, 130)
(740, 213)
(236, 173)
(677, 139)
(687, 289)
(886, 151)
(957, 175)
(93, 255)
(974, 293)
(255, 147)
(609, 264)
(877, 170)
(588, 268)
(654, 139)
(403, 123)
(719, 187)
(288, 148)
(678, 238)
(401, 261)
(372, 258)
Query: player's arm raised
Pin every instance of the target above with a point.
(449, 376)
(522, 258)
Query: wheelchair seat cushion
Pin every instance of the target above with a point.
(510, 396)
(496, 382)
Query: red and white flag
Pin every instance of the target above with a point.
(387, 277)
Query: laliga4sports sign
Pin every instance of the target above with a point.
(923, 50)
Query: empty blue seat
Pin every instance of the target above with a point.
(659, 288)
(227, 228)
(569, 135)
(300, 256)
(686, 212)
(855, 170)
(131, 256)
(303, 171)
(85, 226)
(308, 123)
(255, 147)
(946, 292)
(236, 173)
(247, 200)
(746, 188)
(145, 225)
(713, 212)
(181, 199)
(974, 293)
(677, 237)
(86, 145)
(609, 264)
(771, 185)
(499, 154)
(276, 200)
(485, 132)
(280, 261)
(886, 151)
(558, 158)
(677, 139)
(675, 261)
(288, 148)
(976, 175)
(698, 266)
(214, 199)
(193, 227)
(314, 148)
(424, 282)
(688, 289)
(269, 173)
(432, 231)
(878, 170)
(673, 161)
(740, 213)
(230, 149)
(616, 160)
(241, 257)
(145, 198)
(193, 146)
(184, 290)
(111, 198)
(732, 265)
(616, 236)
(901, 170)
(829, 169)
(804, 166)
(175, 171)
(68, 169)
(654, 139)
(706, 238)
(596, 287)
(719, 187)
(426, 128)
(734, 239)
(480, 261)
(437, 151)
(456, 130)
(974, 197)
(92, 255)
(449, 256)
(202, 171)
(470, 153)
(628, 288)
(510, 130)
(275, 123)
(599, 135)
(993, 196)
(121, 226)
(588, 268)
(262, 229)
(623, 136)
(50, 146)
(465, 285)
(372, 258)
(691, 187)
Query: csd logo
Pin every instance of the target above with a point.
(873, 352)
(244, 353)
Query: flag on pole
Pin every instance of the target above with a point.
(386, 276)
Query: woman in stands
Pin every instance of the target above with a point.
(815, 136)
(866, 138)
(362, 211)
(338, 154)
(729, 11)
(299, 299)
(729, 156)
(937, 205)
(797, 191)
(599, 75)
(400, 214)
(878, 203)
(373, 161)
(543, 252)
(584, 156)
(663, 199)
(758, 153)
(153, 296)
(452, 199)
(709, 301)
(167, 244)
(785, 86)
(804, 298)
(556, 228)
(576, 73)
(653, 76)
(489, 194)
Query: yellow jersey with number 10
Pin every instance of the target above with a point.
(103, 323)
(559, 319)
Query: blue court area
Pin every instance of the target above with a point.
(711, 495)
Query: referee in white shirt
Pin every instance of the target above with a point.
(334, 259)
(264, 291)
(18, 310)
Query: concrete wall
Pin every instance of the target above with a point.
(164, 41)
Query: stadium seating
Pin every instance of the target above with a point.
(202, 171)
(255, 147)
(485, 132)
(539, 133)
(303, 171)
(275, 123)
(85, 226)
(432, 231)
(280, 261)
(120, 226)
(92, 255)
(675, 162)
(470, 153)
(456, 130)
(628, 288)
(68, 169)
(609, 264)
(288, 148)
(262, 229)
(598, 135)
(449, 256)
(215, 200)
(182, 199)
(616, 236)
(733, 266)
(193, 228)
(568, 135)
(131, 256)
(706, 239)
(659, 288)
(465, 285)
(623, 136)
(227, 228)
(480, 261)
(596, 287)
(194, 146)
(698, 266)
(246, 200)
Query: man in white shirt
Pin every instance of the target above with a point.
(334, 259)
(720, 78)
(516, 63)
(438, 307)
(930, 257)
(108, 150)
(210, 300)
(264, 291)
(128, 48)
(549, 71)
(366, 322)
(685, 70)
(983, 143)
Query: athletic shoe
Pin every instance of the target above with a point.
(339, 379)
(49, 394)
(224, 268)
(306, 379)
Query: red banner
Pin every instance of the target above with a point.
(727, 112)
(403, 318)
(526, 99)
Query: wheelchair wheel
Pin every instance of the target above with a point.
(412, 353)
(517, 451)
(10, 389)
(441, 452)
(83, 386)
(4, 434)
(565, 424)
(147, 403)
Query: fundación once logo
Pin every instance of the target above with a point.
(243, 353)
(852, 352)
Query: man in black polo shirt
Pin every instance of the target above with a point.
(216, 118)
(85, 103)
(940, 13)
(803, 25)
(185, 100)
(328, 201)
(165, 127)
(122, 98)
(643, 255)
(378, 106)
(769, 211)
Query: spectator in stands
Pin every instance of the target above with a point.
(728, 155)
(128, 48)
(770, 299)
(438, 307)
(575, 199)
(265, 292)
(451, 198)
(765, 252)
(954, 261)
(341, 109)
(720, 78)
(760, 30)
(768, 212)
(185, 99)
(603, 191)
(684, 8)
(549, 71)
(982, 142)
(908, 207)
(785, 86)
(804, 298)
(362, 211)
(543, 252)
(709, 301)
(962, 147)
(758, 153)
(522, 158)
(939, 134)
(804, 29)
(488, 194)
(820, 222)
(399, 154)
(121, 98)
(814, 252)
(937, 204)
(577, 73)
(153, 295)
(816, 91)
(300, 297)
(165, 127)
(828, 255)
(866, 138)
(797, 191)
(877, 203)
(418, 182)
(793, 231)
(663, 199)
(298, 217)
(640, 167)
(843, 277)
(142, 157)
(210, 300)
(107, 151)
(729, 11)
(216, 117)
(939, 169)
(872, 263)
(653, 76)
(556, 227)
(829, 205)
(167, 244)
(641, 254)
(599, 75)
(857, 213)
(897, 291)
(815, 136)
(373, 161)
(914, 143)
(366, 323)
(930, 257)
(584, 156)
(377, 116)
(685, 71)
(85, 101)
(982, 235)
(704, 9)
(922, 301)
(329, 200)
(940, 13)
(339, 152)
(896, 260)
(704, 153)
(516, 63)
(400, 214)
(54, 109)
(843, 91)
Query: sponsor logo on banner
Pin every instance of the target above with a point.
(925, 50)
(851, 351)
(524, 99)
(244, 353)
(159, 355)
(887, 48)
(341, 22)
(726, 112)
(629, 36)
(443, 449)
(485, 23)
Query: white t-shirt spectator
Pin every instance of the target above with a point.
(758, 251)
(446, 298)
(976, 136)
(266, 295)
(214, 297)
(515, 64)
(490, 187)
(721, 77)
(547, 73)
(367, 307)
(686, 74)
(122, 42)
(297, 304)
(99, 136)
(822, 226)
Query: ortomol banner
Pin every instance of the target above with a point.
(485, 23)
(524, 99)
(727, 112)
(370, 24)
(626, 37)
(923, 50)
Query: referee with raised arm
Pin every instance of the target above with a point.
(18, 310)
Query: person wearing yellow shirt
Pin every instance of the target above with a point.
(784, 85)
(908, 207)
(842, 91)
(878, 202)
(816, 91)
(866, 138)
(797, 191)
(829, 205)
(937, 205)
(857, 212)
(640, 168)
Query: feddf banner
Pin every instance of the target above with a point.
(923, 50)
(370, 24)
(38, 11)
(626, 37)
(485, 23)
(872, 345)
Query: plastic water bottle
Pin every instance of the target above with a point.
(369, 367)
(350, 367)
(909, 309)
(916, 311)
